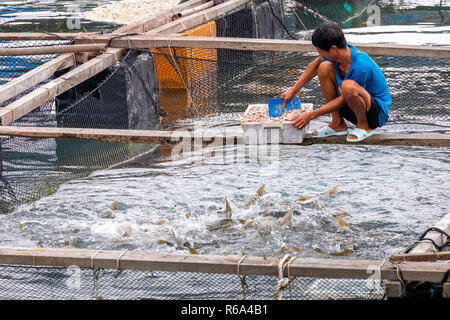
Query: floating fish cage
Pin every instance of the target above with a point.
(66, 115)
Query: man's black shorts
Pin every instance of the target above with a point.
(372, 114)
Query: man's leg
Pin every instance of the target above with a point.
(358, 100)
(328, 84)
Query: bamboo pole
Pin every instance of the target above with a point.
(437, 237)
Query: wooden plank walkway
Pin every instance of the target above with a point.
(300, 267)
(174, 137)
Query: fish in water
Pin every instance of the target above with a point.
(224, 223)
(287, 219)
(179, 241)
(259, 193)
(318, 250)
(227, 207)
(333, 190)
(344, 252)
(303, 198)
(114, 205)
(192, 251)
(342, 224)
(165, 242)
(345, 213)
(70, 241)
(160, 222)
(260, 190)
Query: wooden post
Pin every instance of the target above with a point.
(394, 289)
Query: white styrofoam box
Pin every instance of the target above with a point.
(282, 132)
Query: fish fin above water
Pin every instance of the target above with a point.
(260, 190)
(192, 251)
(333, 190)
(114, 205)
(227, 206)
(304, 198)
(287, 219)
(345, 213)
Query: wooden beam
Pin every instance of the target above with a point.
(26, 36)
(437, 237)
(300, 267)
(446, 290)
(119, 135)
(154, 40)
(428, 256)
(35, 76)
(34, 51)
(415, 139)
(170, 137)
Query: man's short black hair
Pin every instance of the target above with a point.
(327, 35)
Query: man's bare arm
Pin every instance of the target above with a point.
(309, 73)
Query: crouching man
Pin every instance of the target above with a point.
(352, 83)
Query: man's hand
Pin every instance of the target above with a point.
(288, 95)
(302, 120)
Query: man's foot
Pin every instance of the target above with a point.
(337, 128)
(353, 137)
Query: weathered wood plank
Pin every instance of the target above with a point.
(52, 49)
(26, 36)
(437, 237)
(416, 139)
(428, 256)
(35, 76)
(142, 41)
(167, 137)
(300, 267)
(394, 289)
